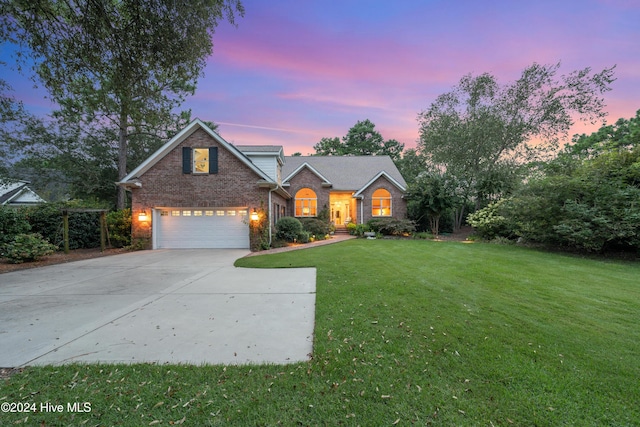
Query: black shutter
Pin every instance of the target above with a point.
(213, 159)
(186, 159)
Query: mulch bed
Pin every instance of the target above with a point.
(59, 258)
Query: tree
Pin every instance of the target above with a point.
(329, 147)
(12, 115)
(80, 160)
(128, 63)
(361, 140)
(430, 194)
(585, 199)
(481, 127)
(411, 165)
(624, 134)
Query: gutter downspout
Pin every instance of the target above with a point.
(270, 217)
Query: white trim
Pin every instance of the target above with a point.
(311, 168)
(387, 176)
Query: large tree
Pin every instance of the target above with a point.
(482, 131)
(361, 140)
(11, 115)
(128, 63)
(79, 160)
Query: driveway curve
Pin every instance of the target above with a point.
(162, 306)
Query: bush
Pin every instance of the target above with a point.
(423, 235)
(288, 228)
(119, 226)
(303, 237)
(316, 227)
(361, 229)
(392, 226)
(84, 227)
(28, 247)
(12, 223)
(351, 228)
(488, 222)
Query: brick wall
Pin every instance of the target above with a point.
(398, 204)
(164, 185)
(307, 179)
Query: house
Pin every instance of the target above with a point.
(200, 191)
(353, 188)
(18, 193)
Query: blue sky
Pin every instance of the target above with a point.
(292, 72)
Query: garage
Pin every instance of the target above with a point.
(200, 228)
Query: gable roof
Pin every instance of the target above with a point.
(313, 170)
(349, 173)
(18, 193)
(131, 177)
(372, 180)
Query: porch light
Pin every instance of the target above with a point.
(254, 215)
(142, 216)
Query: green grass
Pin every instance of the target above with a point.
(407, 333)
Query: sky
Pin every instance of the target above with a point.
(294, 71)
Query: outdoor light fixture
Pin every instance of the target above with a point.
(142, 216)
(254, 215)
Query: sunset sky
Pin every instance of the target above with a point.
(295, 71)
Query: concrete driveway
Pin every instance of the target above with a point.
(163, 306)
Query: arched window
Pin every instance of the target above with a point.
(381, 203)
(306, 202)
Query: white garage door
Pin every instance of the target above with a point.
(218, 228)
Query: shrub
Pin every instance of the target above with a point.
(288, 228)
(361, 229)
(423, 235)
(316, 227)
(84, 227)
(303, 237)
(488, 222)
(12, 223)
(119, 226)
(351, 228)
(28, 247)
(392, 226)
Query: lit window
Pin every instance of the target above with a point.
(200, 160)
(231, 213)
(306, 202)
(197, 213)
(208, 213)
(175, 213)
(381, 203)
(220, 213)
(186, 213)
(242, 213)
(164, 213)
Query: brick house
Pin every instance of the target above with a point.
(199, 191)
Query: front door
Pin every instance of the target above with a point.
(340, 208)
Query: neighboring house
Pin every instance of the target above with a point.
(199, 191)
(18, 193)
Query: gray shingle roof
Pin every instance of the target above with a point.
(346, 172)
(260, 148)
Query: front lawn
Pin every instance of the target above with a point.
(407, 333)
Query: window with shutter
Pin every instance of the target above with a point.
(200, 160)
